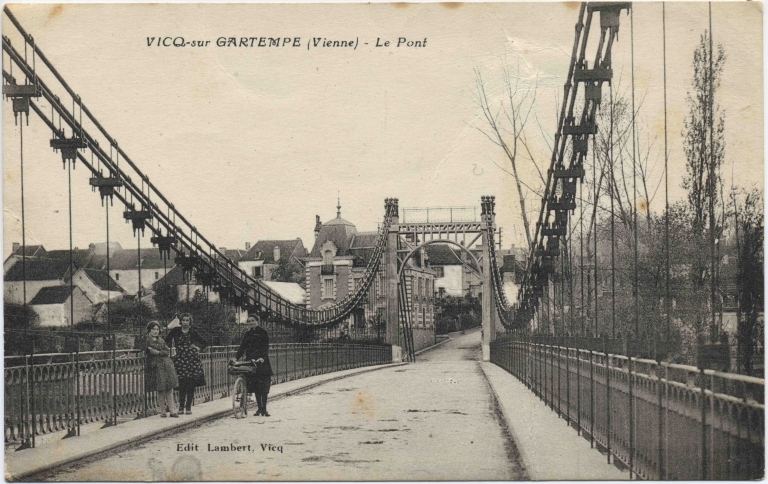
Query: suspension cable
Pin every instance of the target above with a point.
(594, 221)
(23, 234)
(71, 263)
(613, 223)
(581, 253)
(636, 287)
(666, 171)
(711, 182)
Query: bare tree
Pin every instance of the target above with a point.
(506, 119)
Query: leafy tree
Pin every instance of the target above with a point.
(126, 315)
(457, 313)
(212, 319)
(704, 145)
(289, 271)
(166, 298)
(750, 238)
(16, 320)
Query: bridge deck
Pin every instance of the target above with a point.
(436, 419)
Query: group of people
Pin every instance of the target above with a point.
(184, 370)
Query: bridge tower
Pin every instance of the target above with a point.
(391, 276)
(488, 217)
(416, 228)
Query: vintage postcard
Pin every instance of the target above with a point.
(383, 242)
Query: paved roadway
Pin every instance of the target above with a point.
(435, 419)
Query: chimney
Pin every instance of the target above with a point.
(16, 245)
(276, 253)
(247, 246)
(317, 226)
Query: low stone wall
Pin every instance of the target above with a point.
(423, 337)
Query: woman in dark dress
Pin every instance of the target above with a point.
(161, 376)
(189, 368)
(255, 346)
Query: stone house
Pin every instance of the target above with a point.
(97, 285)
(53, 305)
(40, 273)
(18, 252)
(337, 263)
(261, 260)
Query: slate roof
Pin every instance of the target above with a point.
(264, 250)
(234, 254)
(339, 221)
(103, 280)
(174, 277)
(51, 295)
(128, 259)
(340, 235)
(39, 270)
(30, 251)
(362, 247)
(101, 247)
(82, 258)
(443, 255)
(364, 240)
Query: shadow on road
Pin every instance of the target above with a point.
(461, 347)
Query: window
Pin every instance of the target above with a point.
(327, 258)
(440, 271)
(328, 288)
(421, 287)
(256, 271)
(157, 275)
(423, 315)
(117, 276)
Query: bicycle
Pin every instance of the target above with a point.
(240, 389)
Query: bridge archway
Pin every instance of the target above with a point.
(437, 225)
(477, 269)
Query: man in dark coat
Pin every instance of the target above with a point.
(255, 346)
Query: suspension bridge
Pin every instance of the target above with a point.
(652, 418)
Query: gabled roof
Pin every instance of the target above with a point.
(51, 295)
(174, 277)
(30, 251)
(264, 250)
(233, 254)
(38, 270)
(128, 259)
(443, 255)
(100, 248)
(364, 240)
(362, 247)
(103, 280)
(82, 258)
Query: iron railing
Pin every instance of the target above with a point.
(649, 416)
(60, 392)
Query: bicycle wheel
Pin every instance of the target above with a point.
(240, 398)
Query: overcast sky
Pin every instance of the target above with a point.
(250, 143)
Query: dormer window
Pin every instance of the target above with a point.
(327, 257)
